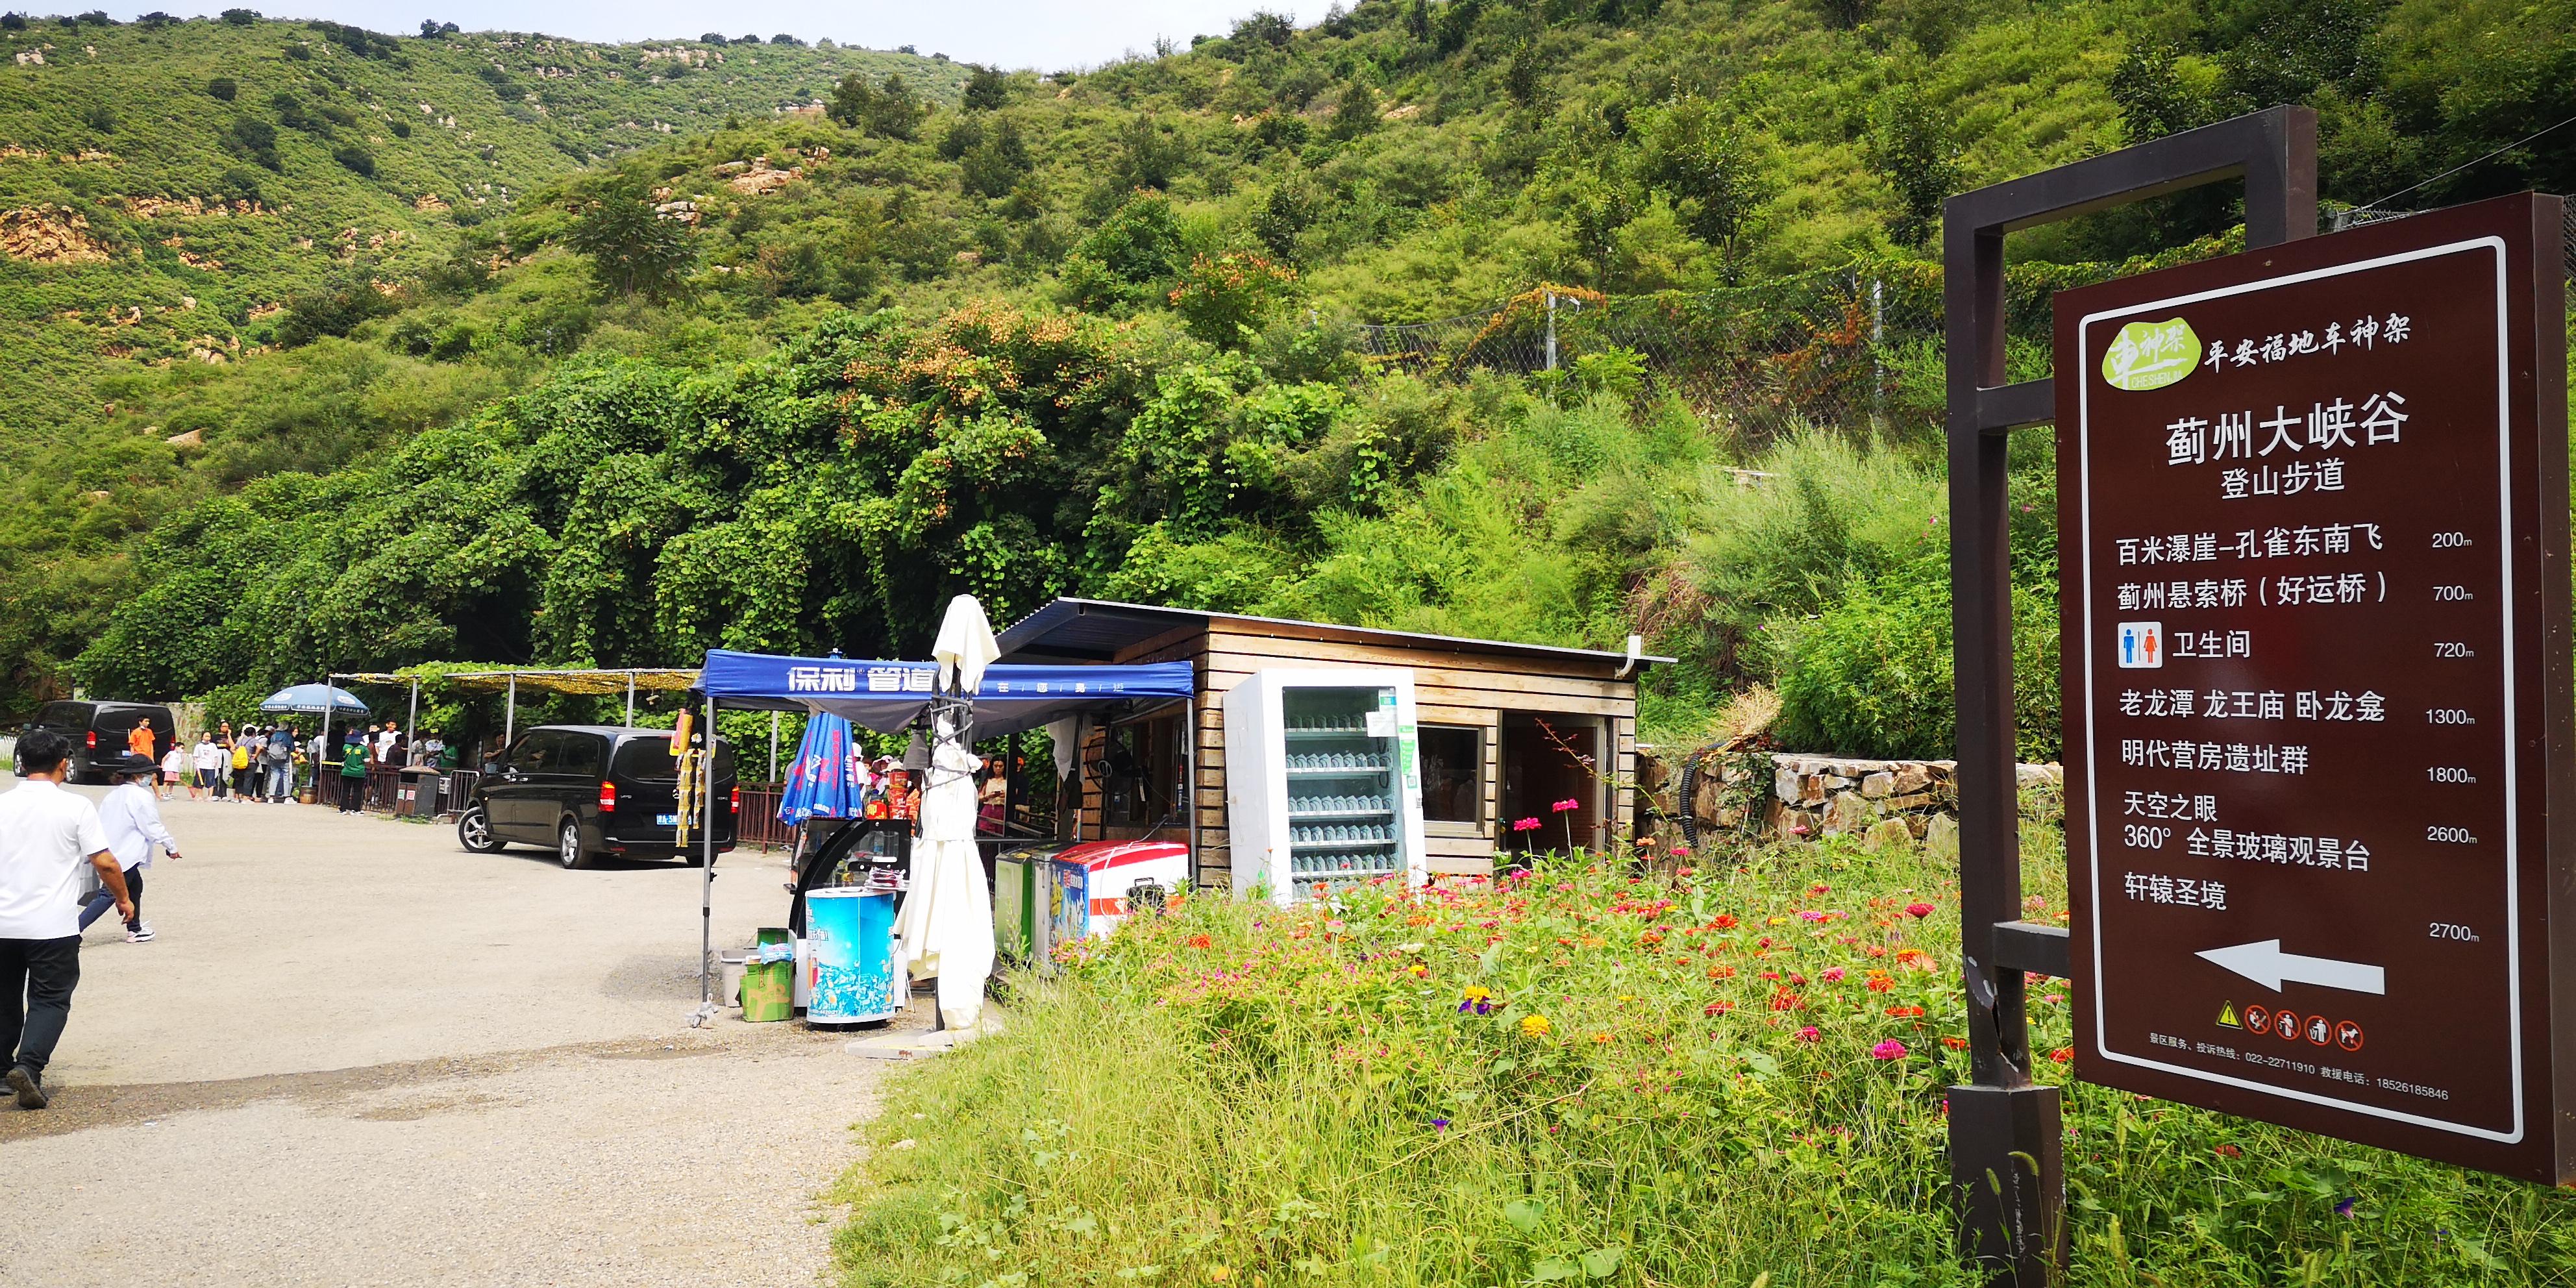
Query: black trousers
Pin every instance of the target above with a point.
(102, 899)
(36, 981)
(353, 795)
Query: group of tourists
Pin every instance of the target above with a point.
(256, 765)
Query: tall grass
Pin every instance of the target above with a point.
(1685, 1081)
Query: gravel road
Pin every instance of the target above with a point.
(357, 1055)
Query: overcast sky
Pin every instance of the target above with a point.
(1042, 34)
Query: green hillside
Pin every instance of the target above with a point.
(787, 383)
(165, 187)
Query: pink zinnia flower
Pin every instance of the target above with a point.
(1833, 973)
(1918, 910)
(1891, 1049)
(1566, 804)
(1525, 825)
(1809, 1033)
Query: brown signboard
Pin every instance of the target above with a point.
(2313, 522)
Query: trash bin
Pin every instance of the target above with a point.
(417, 794)
(769, 987)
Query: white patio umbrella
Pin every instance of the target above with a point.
(965, 645)
(947, 922)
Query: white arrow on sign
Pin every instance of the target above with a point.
(2265, 964)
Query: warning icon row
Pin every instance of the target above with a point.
(2290, 1026)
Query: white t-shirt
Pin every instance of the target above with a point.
(46, 837)
(209, 756)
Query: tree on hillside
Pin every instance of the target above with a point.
(254, 139)
(632, 249)
(1913, 152)
(1525, 74)
(986, 88)
(1701, 162)
(241, 17)
(433, 29)
(1149, 154)
(1355, 115)
(223, 88)
(997, 163)
(1264, 28)
(888, 111)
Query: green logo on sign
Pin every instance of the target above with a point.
(2151, 355)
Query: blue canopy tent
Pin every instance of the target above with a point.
(887, 697)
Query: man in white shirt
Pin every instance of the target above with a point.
(46, 833)
(133, 822)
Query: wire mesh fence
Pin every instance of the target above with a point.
(1842, 347)
(2359, 215)
(1852, 348)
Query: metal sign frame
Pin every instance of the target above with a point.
(2006, 1144)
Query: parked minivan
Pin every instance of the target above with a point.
(97, 731)
(589, 790)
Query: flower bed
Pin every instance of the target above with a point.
(1583, 1075)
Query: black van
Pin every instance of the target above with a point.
(98, 730)
(588, 790)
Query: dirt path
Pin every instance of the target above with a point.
(356, 1054)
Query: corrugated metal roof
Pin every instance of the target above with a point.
(1096, 630)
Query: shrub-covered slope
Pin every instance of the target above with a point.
(1205, 229)
(165, 187)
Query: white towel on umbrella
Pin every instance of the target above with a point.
(947, 921)
(965, 645)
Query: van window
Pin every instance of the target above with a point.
(530, 752)
(72, 714)
(575, 753)
(649, 758)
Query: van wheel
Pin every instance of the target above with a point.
(474, 832)
(568, 846)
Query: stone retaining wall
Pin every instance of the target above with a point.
(1889, 802)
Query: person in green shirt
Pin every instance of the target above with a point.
(353, 776)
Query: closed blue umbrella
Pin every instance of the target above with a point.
(818, 782)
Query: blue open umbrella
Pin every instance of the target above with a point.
(818, 782)
(313, 699)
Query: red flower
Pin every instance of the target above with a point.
(1200, 941)
(1525, 825)
(1955, 1044)
(1724, 922)
(2062, 1054)
(2228, 1151)
(1717, 1008)
(1918, 910)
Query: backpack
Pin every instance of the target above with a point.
(241, 756)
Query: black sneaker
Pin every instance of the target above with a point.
(31, 1094)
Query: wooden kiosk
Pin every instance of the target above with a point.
(1507, 731)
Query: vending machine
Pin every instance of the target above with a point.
(1323, 781)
